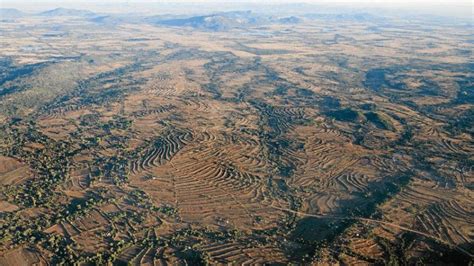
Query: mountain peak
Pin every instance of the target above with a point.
(6, 13)
(60, 11)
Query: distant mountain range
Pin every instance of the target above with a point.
(216, 22)
(221, 21)
(9, 13)
(224, 21)
(67, 12)
(243, 19)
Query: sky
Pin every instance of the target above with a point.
(378, 2)
(298, 1)
(429, 2)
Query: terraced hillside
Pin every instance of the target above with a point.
(303, 140)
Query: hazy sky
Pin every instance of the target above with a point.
(466, 2)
